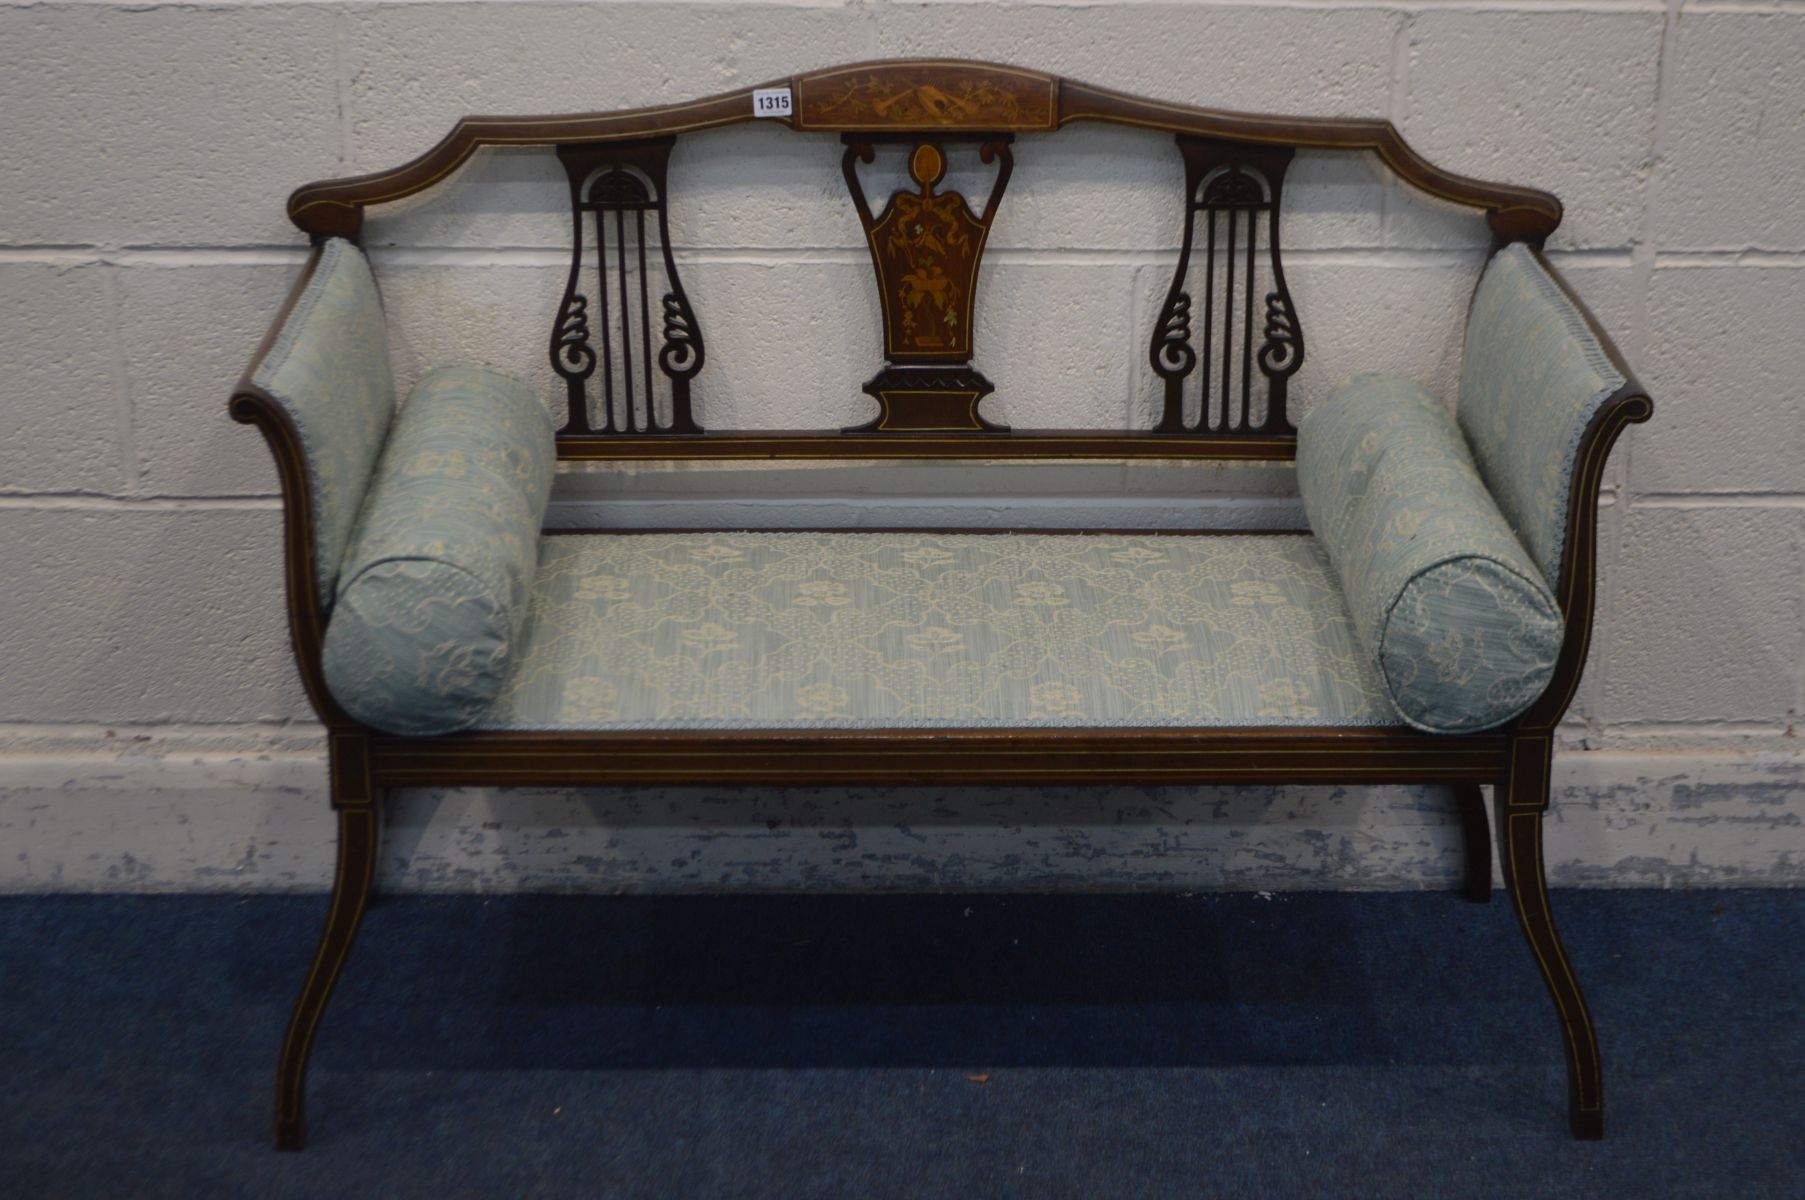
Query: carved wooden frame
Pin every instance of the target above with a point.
(1515, 760)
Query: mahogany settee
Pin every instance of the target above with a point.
(627, 354)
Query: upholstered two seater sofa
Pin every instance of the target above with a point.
(1429, 626)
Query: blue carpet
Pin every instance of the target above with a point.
(981, 1046)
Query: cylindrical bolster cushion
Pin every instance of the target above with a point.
(1459, 620)
(434, 587)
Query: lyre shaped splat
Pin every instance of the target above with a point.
(615, 185)
(1231, 190)
(925, 248)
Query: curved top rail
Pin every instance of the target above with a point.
(924, 96)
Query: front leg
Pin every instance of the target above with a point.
(356, 803)
(1525, 801)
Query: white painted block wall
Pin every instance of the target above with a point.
(153, 734)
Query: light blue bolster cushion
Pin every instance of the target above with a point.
(434, 588)
(1457, 616)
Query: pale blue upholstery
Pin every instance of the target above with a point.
(1457, 617)
(329, 370)
(836, 630)
(1532, 377)
(435, 585)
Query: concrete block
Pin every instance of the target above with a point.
(59, 403)
(1333, 201)
(416, 69)
(1415, 220)
(127, 615)
(1561, 100)
(496, 314)
(135, 819)
(1316, 62)
(163, 125)
(1678, 819)
(1708, 607)
(190, 334)
(1724, 361)
(790, 342)
(1055, 340)
(1733, 165)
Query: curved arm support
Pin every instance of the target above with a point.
(306, 622)
(1577, 590)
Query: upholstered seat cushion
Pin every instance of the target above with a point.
(869, 630)
(1455, 612)
(435, 586)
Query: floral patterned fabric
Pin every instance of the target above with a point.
(435, 586)
(1532, 377)
(825, 630)
(1455, 614)
(329, 370)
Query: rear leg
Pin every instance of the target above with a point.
(1476, 842)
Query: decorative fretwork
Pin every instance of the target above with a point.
(925, 248)
(616, 184)
(1231, 190)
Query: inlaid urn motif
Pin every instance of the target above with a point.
(925, 248)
